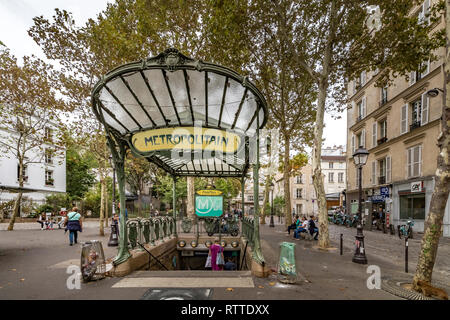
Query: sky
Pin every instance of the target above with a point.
(16, 17)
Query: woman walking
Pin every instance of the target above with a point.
(74, 224)
(214, 251)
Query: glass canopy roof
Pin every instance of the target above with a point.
(172, 90)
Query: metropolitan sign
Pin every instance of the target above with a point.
(208, 206)
(187, 138)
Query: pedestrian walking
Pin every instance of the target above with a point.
(40, 220)
(73, 225)
(216, 253)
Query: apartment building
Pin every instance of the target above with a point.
(44, 175)
(399, 126)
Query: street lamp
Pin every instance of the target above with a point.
(360, 158)
(272, 225)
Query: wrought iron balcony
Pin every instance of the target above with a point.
(414, 125)
(382, 102)
(382, 140)
(381, 180)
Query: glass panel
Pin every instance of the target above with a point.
(179, 92)
(197, 87)
(232, 101)
(111, 104)
(126, 98)
(216, 85)
(418, 207)
(137, 84)
(113, 123)
(247, 112)
(405, 207)
(158, 85)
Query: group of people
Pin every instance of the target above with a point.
(216, 260)
(304, 226)
(72, 223)
(47, 222)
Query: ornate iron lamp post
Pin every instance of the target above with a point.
(272, 225)
(360, 158)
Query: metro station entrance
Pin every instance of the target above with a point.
(190, 118)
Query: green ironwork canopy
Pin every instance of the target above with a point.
(172, 90)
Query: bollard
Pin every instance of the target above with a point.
(406, 254)
(341, 243)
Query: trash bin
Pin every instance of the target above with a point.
(93, 265)
(287, 272)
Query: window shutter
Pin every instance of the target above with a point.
(353, 144)
(363, 107)
(412, 78)
(363, 78)
(374, 172)
(404, 119)
(388, 169)
(363, 138)
(354, 86)
(374, 134)
(424, 116)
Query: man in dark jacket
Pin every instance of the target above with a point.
(312, 227)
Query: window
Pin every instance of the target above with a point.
(330, 165)
(361, 139)
(414, 163)
(382, 125)
(298, 193)
(48, 156)
(382, 171)
(299, 179)
(250, 198)
(340, 177)
(331, 177)
(412, 206)
(383, 128)
(416, 112)
(48, 134)
(424, 12)
(361, 105)
(383, 97)
(417, 75)
(49, 178)
(24, 173)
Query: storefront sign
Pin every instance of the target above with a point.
(384, 191)
(378, 198)
(186, 138)
(209, 206)
(417, 186)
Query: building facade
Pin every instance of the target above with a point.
(399, 126)
(43, 176)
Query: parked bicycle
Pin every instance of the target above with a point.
(406, 230)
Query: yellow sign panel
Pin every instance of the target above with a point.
(209, 192)
(186, 138)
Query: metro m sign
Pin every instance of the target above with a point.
(208, 206)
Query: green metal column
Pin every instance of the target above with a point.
(257, 253)
(119, 161)
(175, 203)
(243, 198)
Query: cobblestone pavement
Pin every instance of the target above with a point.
(391, 249)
